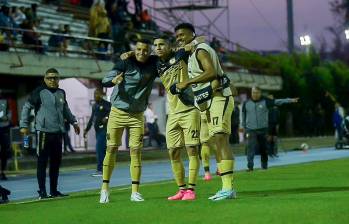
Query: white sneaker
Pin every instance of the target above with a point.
(104, 197)
(136, 196)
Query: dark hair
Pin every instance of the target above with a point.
(144, 41)
(163, 37)
(51, 70)
(185, 26)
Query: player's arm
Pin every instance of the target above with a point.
(115, 76)
(208, 73)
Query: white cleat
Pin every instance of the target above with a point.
(104, 197)
(136, 196)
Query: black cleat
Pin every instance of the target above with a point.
(58, 194)
(42, 195)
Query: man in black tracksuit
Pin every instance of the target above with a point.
(255, 123)
(99, 116)
(51, 109)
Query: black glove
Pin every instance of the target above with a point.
(174, 90)
(186, 96)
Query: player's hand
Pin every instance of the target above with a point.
(85, 133)
(126, 55)
(118, 78)
(182, 85)
(76, 128)
(24, 131)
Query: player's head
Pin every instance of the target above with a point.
(256, 93)
(98, 94)
(142, 50)
(162, 46)
(51, 78)
(185, 33)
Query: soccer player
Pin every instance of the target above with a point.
(206, 79)
(132, 80)
(183, 123)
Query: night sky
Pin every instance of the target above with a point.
(248, 28)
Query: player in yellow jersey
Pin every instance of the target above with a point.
(212, 94)
(183, 124)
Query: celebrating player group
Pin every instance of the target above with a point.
(200, 108)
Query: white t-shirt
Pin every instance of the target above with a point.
(150, 116)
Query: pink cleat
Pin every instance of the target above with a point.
(189, 195)
(207, 177)
(180, 194)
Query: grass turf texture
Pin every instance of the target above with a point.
(307, 193)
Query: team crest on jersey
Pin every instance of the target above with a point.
(100, 107)
(172, 61)
(61, 100)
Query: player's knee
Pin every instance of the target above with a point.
(174, 153)
(135, 151)
(112, 149)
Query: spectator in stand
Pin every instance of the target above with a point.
(31, 38)
(17, 15)
(147, 22)
(138, 7)
(57, 42)
(97, 9)
(6, 20)
(117, 27)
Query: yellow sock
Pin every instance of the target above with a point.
(135, 170)
(205, 157)
(226, 169)
(108, 167)
(194, 165)
(178, 172)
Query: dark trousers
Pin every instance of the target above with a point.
(234, 136)
(67, 142)
(257, 140)
(101, 145)
(5, 146)
(49, 148)
(154, 134)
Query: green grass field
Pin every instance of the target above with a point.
(307, 193)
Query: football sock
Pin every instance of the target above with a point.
(108, 166)
(178, 172)
(135, 170)
(194, 165)
(226, 170)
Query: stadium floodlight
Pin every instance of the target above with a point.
(346, 34)
(305, 40)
